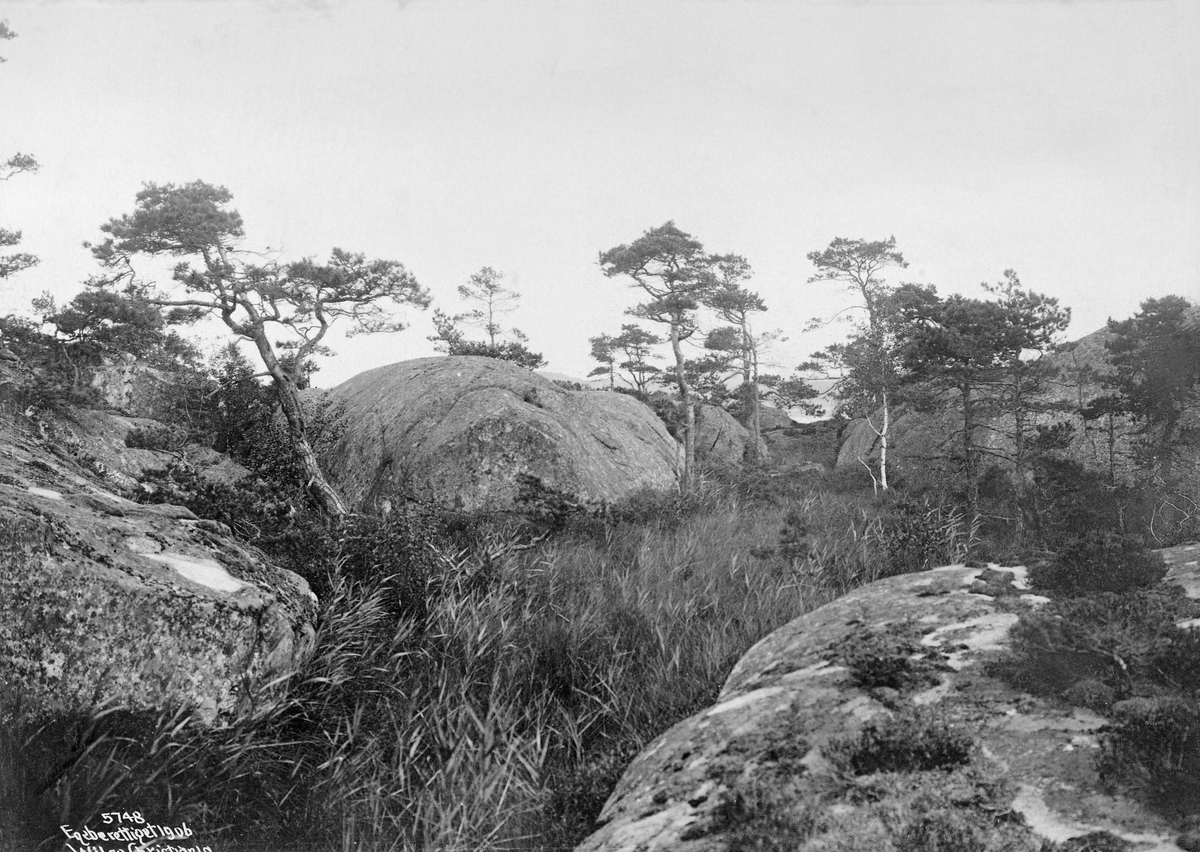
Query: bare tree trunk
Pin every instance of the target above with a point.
(328, 499)
(1112, 449)
(883, 442)
(1020, 462)
(689, 413)
(755, 424)
(969, 450)
(750, 381)
(289, 402)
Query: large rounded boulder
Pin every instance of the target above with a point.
(478, 434)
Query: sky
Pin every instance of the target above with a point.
(1060, 139)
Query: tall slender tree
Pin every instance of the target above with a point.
(604, 350)
(673, 270)
(1034, 324)
(738, 305)
(630, 352)
(257, 300)
(491, 300)
(637, 345)
(857, 266)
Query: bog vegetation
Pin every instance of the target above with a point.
(481, 682)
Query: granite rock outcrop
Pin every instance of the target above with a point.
(478, 434)
(106, 599)
(762, 765)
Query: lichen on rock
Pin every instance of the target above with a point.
(106, 600)
(877, 722)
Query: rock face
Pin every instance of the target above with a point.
(763, 762)
(771, 418)
(475, 434)
(804, 446)
(132, 387)
(103, 598)
(720, 438)
(96, 440)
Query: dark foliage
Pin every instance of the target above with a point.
(1153, 746)
(891, 658)
(1098, 648)
(1156, 368)
(912, 743)
(1089, 526)
(154, 438)
(1099, 561)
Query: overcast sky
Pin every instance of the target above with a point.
(1061, 139)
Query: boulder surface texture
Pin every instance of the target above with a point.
(761, 768)
(721, 439)
(147, 606)
(479, 434)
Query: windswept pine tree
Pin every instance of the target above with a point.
(257, 299)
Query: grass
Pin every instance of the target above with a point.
(488, 698)
(501, 718)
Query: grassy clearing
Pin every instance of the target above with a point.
(498, 710)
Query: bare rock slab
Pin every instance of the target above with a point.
(761, 768)
(470, 433)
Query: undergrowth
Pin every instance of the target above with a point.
(498, 713)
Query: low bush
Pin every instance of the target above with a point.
(762, 816)
(1098, 560)
(1100, 648)
(913, 742)
(155, 438)
(922, 534)
(1153, 747)
(891, 658)
(1126, 656)
(943, 830)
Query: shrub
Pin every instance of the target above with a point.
(760, 815)
(472, 689)
(1097, 649)
(916, 742)
(1099, 560)
(1153, 745)
(942, 830)
(154, 438)
(892, 658)
(923, 534)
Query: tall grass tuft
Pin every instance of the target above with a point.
(498, 714)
